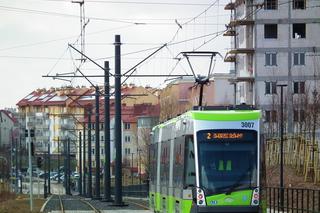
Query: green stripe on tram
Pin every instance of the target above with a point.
(226, 115)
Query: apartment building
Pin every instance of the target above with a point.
(182, 94)
(9, 132)
(52, 115)
(137, 101)
(275, 42)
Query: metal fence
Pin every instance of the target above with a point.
(295, 200)
(138, 191)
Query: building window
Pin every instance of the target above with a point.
(299, 87)
(126, 125)
(127, 151)
(271, 87)
(271, 116)
(271, 59)
(271, 4)
(127, 138)
(299, 4)
(298, 58)
(299, 31)
(270, 31)
(298, 116)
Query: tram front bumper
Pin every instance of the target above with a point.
(225, 209)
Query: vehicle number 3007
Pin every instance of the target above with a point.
(247, 124)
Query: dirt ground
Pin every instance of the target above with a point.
(291, 178)
(19, 204)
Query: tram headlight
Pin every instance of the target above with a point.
(255, 197)
(200, 197)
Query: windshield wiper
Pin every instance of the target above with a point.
(237, 183)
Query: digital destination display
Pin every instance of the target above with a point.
(220, 135)
(227, 135)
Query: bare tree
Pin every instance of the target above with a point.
(143, 144)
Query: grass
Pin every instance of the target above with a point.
(20, 204)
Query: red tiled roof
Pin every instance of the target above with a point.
(9, 115)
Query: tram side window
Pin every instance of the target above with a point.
(153, 163)
(189, 169)
(178, 165)
(164, 163)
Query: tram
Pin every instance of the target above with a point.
(206, 161)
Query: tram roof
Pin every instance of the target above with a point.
(215, 115)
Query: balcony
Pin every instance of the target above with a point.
(230, 58)
(241, 79)
(230, 33)
(241, 51)
(230, 6)
(241, 22)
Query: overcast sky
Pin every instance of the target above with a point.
(35, 35)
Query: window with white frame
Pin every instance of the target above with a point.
(127, 138)
(271, 87)
(298, 115)
(270, 116)
(298, 58)
(127, 151)
(271, 59)
(299, 87)
(126, 125)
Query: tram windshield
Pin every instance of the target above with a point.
(227, 160)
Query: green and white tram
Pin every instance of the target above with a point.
(206, 161)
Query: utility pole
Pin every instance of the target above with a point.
(16, 163)
(118, 139)
(83, 24)
(80, 164)
(107, 181)
(49, 167)
(84, 158)
(58, 159)
(281, 147)
(45, 187)
(132, 168)
(65, 166)
(69, 167)
(97, 145)
(20, 163)
(30, 170)
(89, 155)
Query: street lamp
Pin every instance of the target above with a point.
(281, 145)
(139, 164)
(132, 168)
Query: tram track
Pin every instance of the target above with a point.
(92, 207)
(66, 203)
(63, 203)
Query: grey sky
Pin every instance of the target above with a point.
(35, 34)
